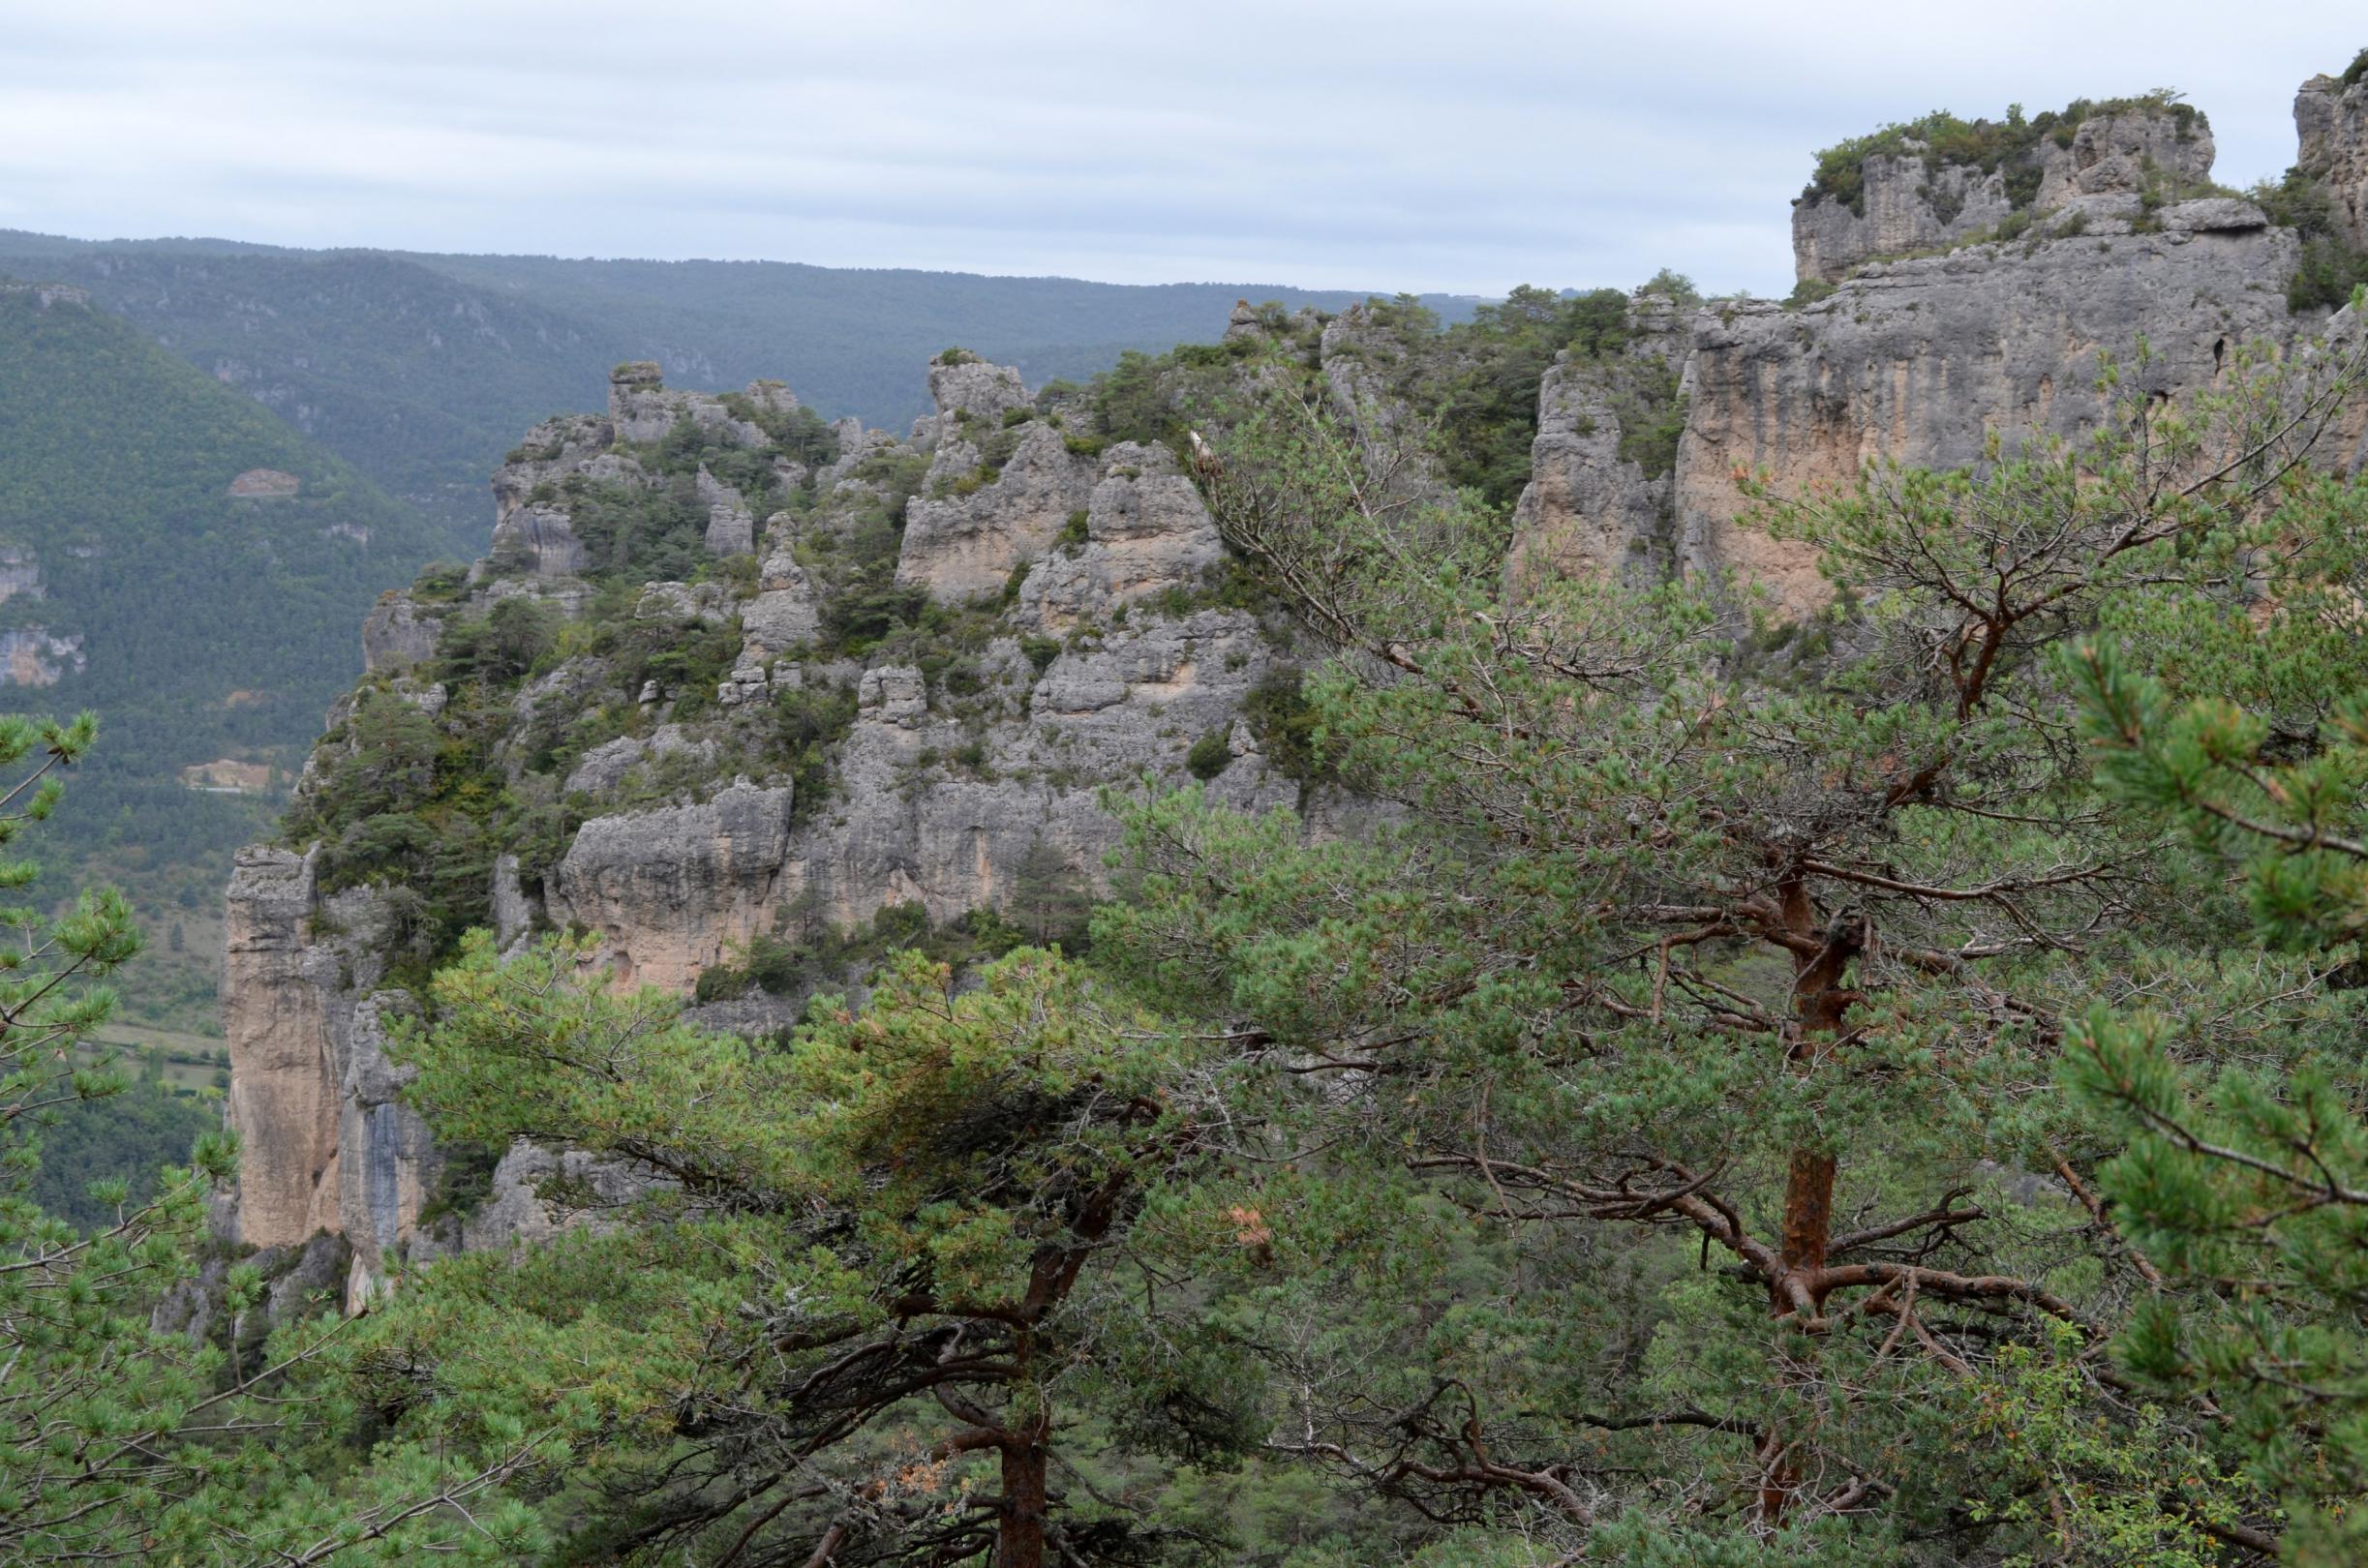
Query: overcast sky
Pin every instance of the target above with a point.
(1463, 145)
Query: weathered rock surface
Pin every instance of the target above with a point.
(265, 484)
(964, 546)
(32, 656)
(1146, 531)
(19, 574)
(731, 531)
(786, 610)
(1920, 360)
(2127, 152)
(666, 889)
(640, 408)
(327, 1144)
(605, 766)
(1585, 511)
(913, 826)
(396, 635)
(573, 444)
(537, 537)
(969, 391)
(2331, 121)
(971, 772)
(1913, 203)
(1906, 209)
(514, 1213)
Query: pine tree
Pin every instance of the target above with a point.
(843, 1300)
(1750, 963)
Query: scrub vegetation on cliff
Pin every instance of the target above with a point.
(2010, 146)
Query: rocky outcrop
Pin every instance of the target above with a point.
(2125, 153)
(600, 770)
(1914, 199)
(1921, 360)
(326, 1143)
(396, 635)
(668, 889)
(47, 295)
(787, 610)
(640, 408)
(573, 444)
(1586, 511)
(943, 811)
(19, 574)
(1905, 206)
(538, 538)
(32, 656)
(265, 484)
(963, 543)
(2332, 122)
(1146, 532)
(967, 390)
(731, 531)
(1076, 644)
(275, 1015)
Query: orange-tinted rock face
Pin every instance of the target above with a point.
(1920, 361)
(265, 484)
(284, 1100)
(326, 1144)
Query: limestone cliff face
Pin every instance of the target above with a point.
(923, 822)
(32, 656)
(962, 546)
(1911, 201)
(1921, 360)
(1586, 511)
(327, 1144)
(2123, 154)
(1146, 531)
(777, 745)
(396, 635)
(1906, 209)
(642, 408)
(1092, 655)
(670, 888)
(2331, 121)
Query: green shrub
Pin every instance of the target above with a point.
(1209, 756)
(1041, 652)
(1809, 292)
(1285, 725)
(810, 722)
(440, 582)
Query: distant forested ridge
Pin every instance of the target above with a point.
(419, 369)
(189, 567)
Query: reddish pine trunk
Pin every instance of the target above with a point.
(1819, 1002)
(1019, 1528)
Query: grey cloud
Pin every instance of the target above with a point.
(1377, 144)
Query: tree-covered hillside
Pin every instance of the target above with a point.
(201, 625)
(420, 370)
